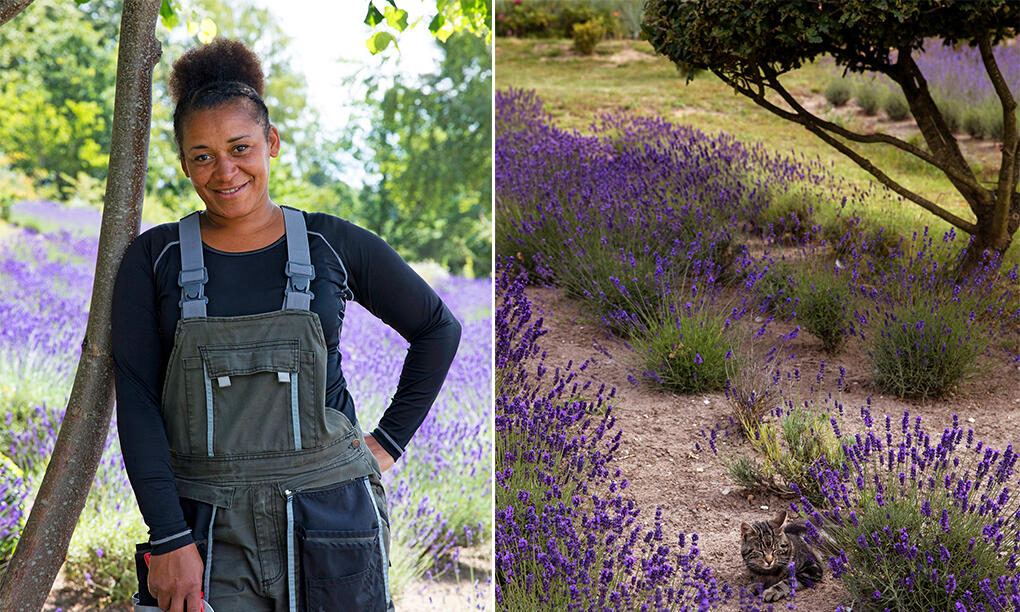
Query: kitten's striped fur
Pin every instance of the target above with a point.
(768, 547)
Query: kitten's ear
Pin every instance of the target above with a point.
(744, 528)
(777, 523)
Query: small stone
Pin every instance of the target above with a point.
(726, 491)
(764, 507)
(970, 419)
(699, 469)
(750, 497)
(706, 402)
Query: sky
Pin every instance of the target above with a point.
(329, 45)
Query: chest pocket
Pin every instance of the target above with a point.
(251, 397)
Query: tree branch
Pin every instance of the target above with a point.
(876, 137)
(936, 131)
(9, 9)
(857, 158)
(924, 203)
(1007, 170)
(43, 544)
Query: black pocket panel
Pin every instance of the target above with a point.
(342, 566)
(340, 549)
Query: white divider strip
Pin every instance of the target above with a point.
(295, 418)
(382, 546)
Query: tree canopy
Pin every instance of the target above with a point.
(749, 45)
(452, 16)
(430, 147)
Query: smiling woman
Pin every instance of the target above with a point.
(239, 434)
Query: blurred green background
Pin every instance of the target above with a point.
(404, 154)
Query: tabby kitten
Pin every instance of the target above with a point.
(768, 547)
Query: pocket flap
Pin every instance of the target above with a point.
(242, 359)
(216, 495)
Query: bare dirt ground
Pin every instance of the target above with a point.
(657, 454)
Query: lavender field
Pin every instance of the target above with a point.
(959, 84)
(440, 492)
(731, 309)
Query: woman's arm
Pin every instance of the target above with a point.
(388, 288)
(138, 356)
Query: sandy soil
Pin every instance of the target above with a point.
(657, 454)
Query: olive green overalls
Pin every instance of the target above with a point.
(283, 496)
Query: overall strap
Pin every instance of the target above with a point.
(194, 275)
(299, 270)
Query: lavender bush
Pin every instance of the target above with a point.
(620, 217)
(823, 307)
(927, 323)
(566, 538)
(13, 490)
(924, 350)
(923, 522)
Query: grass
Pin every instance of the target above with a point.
(627, 74)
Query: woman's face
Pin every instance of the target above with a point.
(225, 153)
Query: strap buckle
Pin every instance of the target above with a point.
(191, 277)
(300, 269)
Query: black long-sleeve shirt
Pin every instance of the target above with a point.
(350, 262)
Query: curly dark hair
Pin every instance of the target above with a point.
(211, 75)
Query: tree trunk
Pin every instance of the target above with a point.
(9, 9)
(993, 236)
(43, 544)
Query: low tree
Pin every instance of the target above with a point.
(749, 45)
(430, 153)
(56, 89)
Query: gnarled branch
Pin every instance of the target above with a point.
(1008, 169)
(857, 158)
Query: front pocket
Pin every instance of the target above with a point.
(340, 548)
(342, 566)
(246, 383)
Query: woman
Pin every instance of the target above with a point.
(239, 436)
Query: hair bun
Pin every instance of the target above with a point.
(221, 60)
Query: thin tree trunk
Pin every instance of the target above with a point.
(9, 9)
(43, 544)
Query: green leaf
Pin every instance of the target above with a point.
(373, 18)
(396, 18)
(437, 23)
(168, 15)
(379, 41)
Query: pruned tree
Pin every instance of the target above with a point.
(43, 544)
(749, 45)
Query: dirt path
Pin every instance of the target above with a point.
(657, 454)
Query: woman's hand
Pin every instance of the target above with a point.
(175, 579)
(380, 454)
